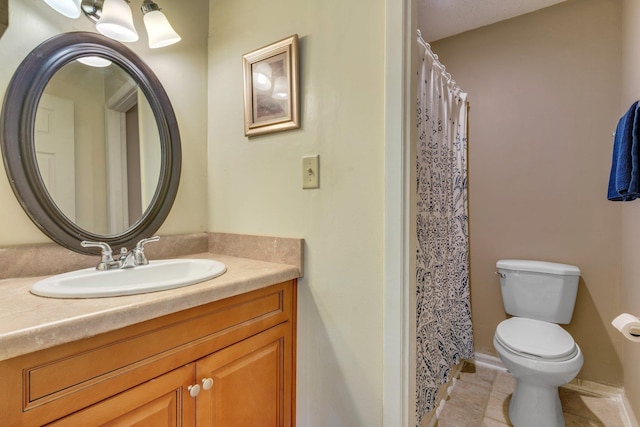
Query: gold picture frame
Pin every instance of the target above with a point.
(271, 88)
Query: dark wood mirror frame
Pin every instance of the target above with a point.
(17, 138)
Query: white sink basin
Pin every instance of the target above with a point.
(156, 276)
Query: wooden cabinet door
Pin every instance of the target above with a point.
(163, 401)
(252, 382)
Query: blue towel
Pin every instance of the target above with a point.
(624, 179)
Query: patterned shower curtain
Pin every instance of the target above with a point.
(443, 317)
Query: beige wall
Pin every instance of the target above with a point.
(631, 211)
(255, 186)
(545, 90)
(182, 71)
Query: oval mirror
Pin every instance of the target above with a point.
(90, 142)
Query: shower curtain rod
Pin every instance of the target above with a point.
(437, 62)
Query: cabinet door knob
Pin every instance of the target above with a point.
(207, 383)
(194, 390)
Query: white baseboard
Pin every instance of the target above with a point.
(594, 388)
(489, 361)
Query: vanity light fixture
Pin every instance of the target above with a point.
(114, 19)
(68, 8)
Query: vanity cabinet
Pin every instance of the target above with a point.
(227, 363)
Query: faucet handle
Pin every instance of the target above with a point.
(140, 258)
(104, 247)
(141, 243)
(106, 261)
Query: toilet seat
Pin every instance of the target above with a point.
(535, 339)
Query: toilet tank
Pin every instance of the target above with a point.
(538, 289)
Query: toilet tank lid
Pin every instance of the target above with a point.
(538, 267)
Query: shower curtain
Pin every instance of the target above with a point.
(443, 306)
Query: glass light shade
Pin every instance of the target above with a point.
(159, 30)
(95, 61)
(116, 21)
(68, 8)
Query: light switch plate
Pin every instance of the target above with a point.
(310, 172)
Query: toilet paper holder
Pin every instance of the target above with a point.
(628, 325)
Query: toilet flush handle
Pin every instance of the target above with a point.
(500, 274)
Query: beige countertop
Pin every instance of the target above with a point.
(29, 322)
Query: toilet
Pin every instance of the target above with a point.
(540, 354)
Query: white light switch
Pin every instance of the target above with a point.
(310, 172)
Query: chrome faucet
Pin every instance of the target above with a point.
(106, 261)
(127, 259)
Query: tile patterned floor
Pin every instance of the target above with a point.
(480, 398)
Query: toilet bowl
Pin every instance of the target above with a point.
(541, 356)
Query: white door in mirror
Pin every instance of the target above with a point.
(54, 137)
(156, 276)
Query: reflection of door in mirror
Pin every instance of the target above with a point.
(55, 151)
(117, 149)
(133, 155)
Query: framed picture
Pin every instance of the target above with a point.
(271, 88)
